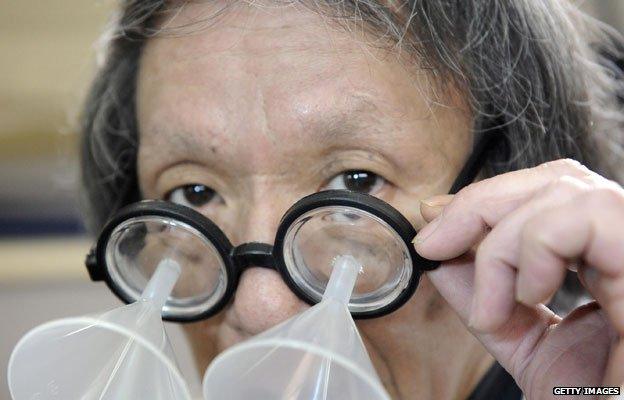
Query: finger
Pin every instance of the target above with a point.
(513, 344)
(591, 280)
(432, 207)
(589, 228)
(593, 235)
(497, 257)
(604, 289)
(614, 375)
(483, 204)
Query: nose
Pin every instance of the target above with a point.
(262, 299)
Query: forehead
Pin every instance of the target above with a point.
(295, 57)
(259, 38)
(271, 75)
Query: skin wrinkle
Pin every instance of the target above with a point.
(386, 375)
(521, 348)
(528, 373)
(347, 122)
(190, 144)
(386, 125)
(359, 108)
(262, 117)
(265, 121)
(435, 305)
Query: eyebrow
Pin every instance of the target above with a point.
(359, 118)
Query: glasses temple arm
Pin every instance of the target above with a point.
(471, 169)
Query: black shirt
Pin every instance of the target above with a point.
(497, 384)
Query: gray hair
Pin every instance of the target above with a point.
(540, 70)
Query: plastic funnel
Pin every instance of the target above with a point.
(121, 354)
(316, 355)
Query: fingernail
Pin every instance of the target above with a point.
(427, 231)
(589, 277)
(437, 201)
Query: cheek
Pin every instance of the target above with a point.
(204, 339)
(399, 332)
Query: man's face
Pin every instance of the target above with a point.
(267, 104)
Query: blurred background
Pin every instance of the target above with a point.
(48, 57)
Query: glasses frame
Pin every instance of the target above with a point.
(237, 258)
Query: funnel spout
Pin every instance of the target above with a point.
(123, 353)
(342, 279)
(318, 354)
(162, 282)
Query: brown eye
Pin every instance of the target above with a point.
(361, 181)
(193, 195)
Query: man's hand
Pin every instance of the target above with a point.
(507, 242)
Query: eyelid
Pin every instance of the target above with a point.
(187, 173)
(378, 187)
(341, 160)
(215, 197)
(344, 170)
(169, 192)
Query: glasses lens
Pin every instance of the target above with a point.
(137, 245)
(320, 235)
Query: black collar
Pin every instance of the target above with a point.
(497, 384)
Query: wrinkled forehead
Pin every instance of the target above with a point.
(274, 74)
(267, 34)
(263, 24)
(275, 47)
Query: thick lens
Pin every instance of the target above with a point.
(318, 236)
(137, 245)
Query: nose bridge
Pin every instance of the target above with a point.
(258, 223)
(260, 219)
(262, 298)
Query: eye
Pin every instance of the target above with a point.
(357, 181)
(193, 195)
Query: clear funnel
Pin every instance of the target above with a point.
(316, 355)
(121, 354)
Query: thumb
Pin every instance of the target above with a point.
(432, 207)
(513, 344)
